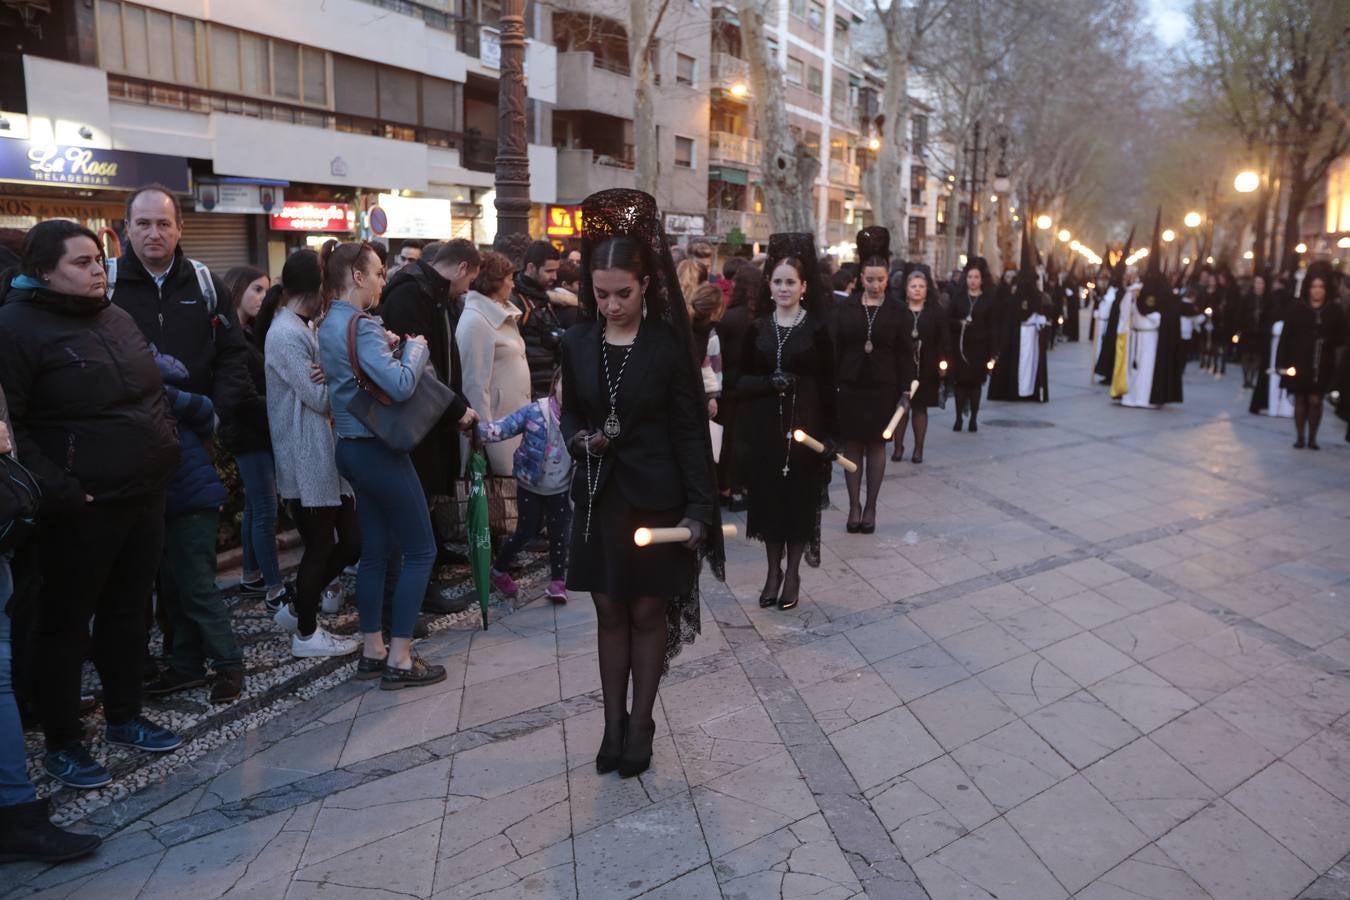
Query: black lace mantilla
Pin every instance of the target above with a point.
(634, 214)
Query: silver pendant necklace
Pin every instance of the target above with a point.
(871, 318)
(914, 333)
(781, 336)
(611, 425)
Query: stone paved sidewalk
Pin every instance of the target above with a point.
(1090, 652)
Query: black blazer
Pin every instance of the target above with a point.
(891, 363)
(660, 460)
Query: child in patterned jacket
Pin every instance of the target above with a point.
(543, 471)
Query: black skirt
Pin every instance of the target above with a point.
(865, 411)
(610, 563)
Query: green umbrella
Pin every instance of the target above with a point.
(480, 532)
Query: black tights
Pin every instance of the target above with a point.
(777, 576)
(632, 639)
(332, 539)
(919, 416)
(967, 400)
(1307, 416)
(872, 456)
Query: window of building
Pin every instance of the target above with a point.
(812, 141)
(686, 70)
(836, 213)
(920, 133)
(815, 15)
(918, 228)
(796, 71)
(797, 8)
(815, 81)
(127, 34)
(684, 152)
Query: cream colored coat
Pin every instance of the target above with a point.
(496, 375)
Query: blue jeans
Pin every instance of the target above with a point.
(14, 784)
(392, 510)
(258, 530)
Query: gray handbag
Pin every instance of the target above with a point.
(401, 426)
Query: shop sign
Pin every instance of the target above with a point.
(298, 215)
(48, 208)
(490, 48)
(563, 222)
(416, 217)
(678, 225)
(238, 198)
(30, 162)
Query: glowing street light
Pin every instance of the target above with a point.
(874, 144)
(739, 89)
(1192, 219)
(1043, 222)
(1169, 236)
(1344, 243)
(1064, 235)
(1300, 248)
(1249, 255)
(993, 198)
(1246, 182)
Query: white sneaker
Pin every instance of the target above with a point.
(321, 643)
(332, 598)
(286, 619)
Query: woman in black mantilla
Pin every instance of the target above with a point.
(1313, 329)
(874, 366)
(787, 383)
(634, 418)
(971, 316)
(925, 326)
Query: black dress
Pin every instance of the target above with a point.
(869, 383)
(1309, 344)
(655, 472)
(929, 349)
(731, 331)
(786, 508)
(972, 338)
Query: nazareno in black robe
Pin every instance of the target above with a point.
(1170, 360)
(1106, 360)
(1016, 306)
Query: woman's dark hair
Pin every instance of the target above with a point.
(301, 276)
(879, 262)
(237, 281)
(622, 251)
(494, 271)
(45, 244)
(733, 265)
(339, 262)
(745, 287)
(569, 272)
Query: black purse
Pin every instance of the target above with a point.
(20, 499)
(401, 426)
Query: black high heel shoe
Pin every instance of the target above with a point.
(606, 762)
(637, 751)
(769, 596)
(899, 453)
(853, 525)
(790, 598)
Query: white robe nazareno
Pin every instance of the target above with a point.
(1029, 355)
(1278, 401)
(1141, 355)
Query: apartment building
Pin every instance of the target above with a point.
(278, 124)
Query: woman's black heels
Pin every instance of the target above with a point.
(769, 596)
(853, 525)
(607, 761)
(789, 598)
(637, 751)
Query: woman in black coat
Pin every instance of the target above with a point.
(1313, 330)
(874, 365)
(925, 326)
(971, 316)
(91, 421)
(787, 383)
(736, 322)
(634, 417)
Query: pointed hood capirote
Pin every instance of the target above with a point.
(1155, 288)
(1118, 270)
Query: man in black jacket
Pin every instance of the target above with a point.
(184, 312)
(421, 299)
(539, 324)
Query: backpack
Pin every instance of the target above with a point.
(20, 498)
(203, 281)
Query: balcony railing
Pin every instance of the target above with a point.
(844, 173)
(728, 69)
(755, 226)
(733, 148)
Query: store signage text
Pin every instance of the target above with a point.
(300, 216)
(90, 167)
(563, 221)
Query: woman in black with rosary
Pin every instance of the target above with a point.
(874, 368)
(634, 418)
(786, 383)
(971, 315)
(926, 326)
(1313, 329)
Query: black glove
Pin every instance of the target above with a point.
(698, 533)
(782, 382)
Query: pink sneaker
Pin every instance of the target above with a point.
(504, 583)
(557, 592)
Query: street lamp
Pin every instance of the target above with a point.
(739, 89)
(874, 144)
(1064, 235)
(1344, 243)
(1192, 219)
(1300, 248)
(1169, 236)
(1043, 222)
(1249, 255)
(1246, 182)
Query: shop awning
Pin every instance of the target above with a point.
(730, 176)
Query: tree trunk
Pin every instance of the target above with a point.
(789, 168)
(646, 145)
(1299, 190)
(953, 201)
(1259, 227)
(884, 181)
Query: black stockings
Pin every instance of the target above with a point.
(967, 401)
(871, 456)
(632, 639)
(1307, 416)
(919, 416)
